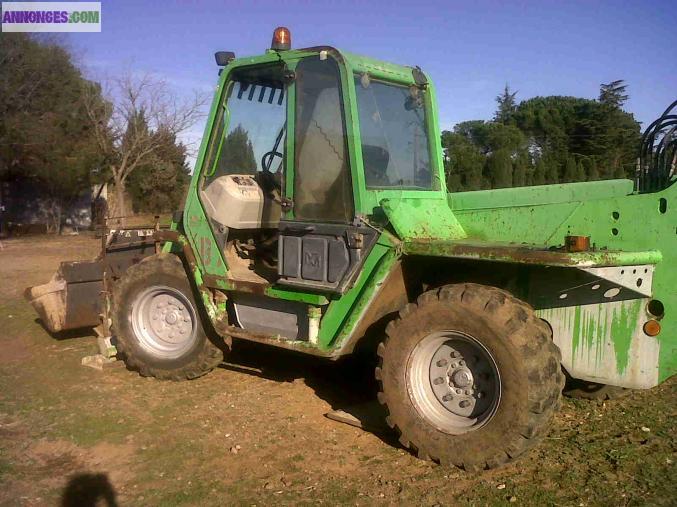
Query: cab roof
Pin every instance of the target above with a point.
(354, 62)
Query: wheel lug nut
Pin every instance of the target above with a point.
(461, 362)
(438, 381)
(467, 392)
(441, 362)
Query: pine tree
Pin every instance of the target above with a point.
(464, 162)
(159, 185)
(593, 173)
(613, 94)
(499, 169)
(539, 173)
(237, 153)
(520, 169)
(620, 173)
(551, 171)
(570, 170)
(46, 142)
(580, 172)
(506, 105)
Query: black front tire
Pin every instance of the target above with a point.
(521, 349)
(197, 355)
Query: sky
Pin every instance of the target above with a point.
(471, 49)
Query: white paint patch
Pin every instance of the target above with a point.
(612, 293)
(595, 356)
(637, 278)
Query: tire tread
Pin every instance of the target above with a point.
(535, 335)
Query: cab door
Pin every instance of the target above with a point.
(321, 245)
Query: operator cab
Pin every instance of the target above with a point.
(246, 190)
(279, 181)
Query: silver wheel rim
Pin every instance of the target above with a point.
(453, 382)
(164, 321)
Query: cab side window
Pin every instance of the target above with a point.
(250, 125)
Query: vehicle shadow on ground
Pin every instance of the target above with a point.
(348, 385)
(89, 490)
(68, 334)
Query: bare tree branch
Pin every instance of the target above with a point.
(131, 130)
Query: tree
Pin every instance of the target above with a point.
(570, 170)
(539, 173)
(570, 138)
(551, 170)
(45, 139)
(499, 169)
(475, 132)
(506, 105)
(159, 185)
(237, 153)
(620, 173)
(125, 141)
(580, 172)
(614, 93)
(520, 169)
(463, 163)
(560, 127)
(593, 173)
(504, 137)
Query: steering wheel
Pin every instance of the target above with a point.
(268, 157)
(272, 183)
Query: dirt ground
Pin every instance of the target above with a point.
(254, 432)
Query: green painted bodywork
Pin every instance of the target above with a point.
(505, 227)
(624, 227)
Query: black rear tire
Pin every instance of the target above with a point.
(139, 344)
(520, 347)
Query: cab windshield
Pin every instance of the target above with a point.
(395, 147)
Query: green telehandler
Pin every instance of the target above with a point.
(318, 220)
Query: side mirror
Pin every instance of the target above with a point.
(223, 58)
(419, 77)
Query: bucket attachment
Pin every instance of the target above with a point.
(72, 298)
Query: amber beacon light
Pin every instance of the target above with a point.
(281, 39)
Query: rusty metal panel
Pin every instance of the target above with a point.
(527, 254)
